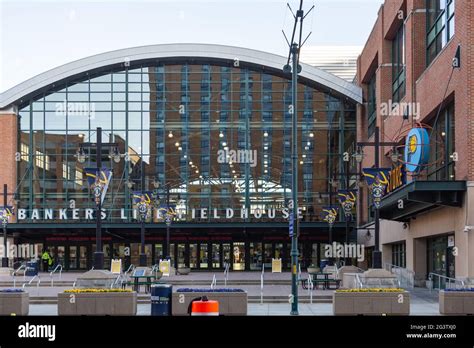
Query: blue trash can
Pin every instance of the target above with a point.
(32, 268)
(161, 299)
(323, 263)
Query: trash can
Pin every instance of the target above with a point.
(161, 299)
(32, 268)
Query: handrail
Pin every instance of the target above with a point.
(448, 279)
(60, 267)
(405, 274)
(261, 284)
(214, 281)
(359, 281)
(310, 288)
(16, 271)
(31, 280)
(226, 273)
(130, 268)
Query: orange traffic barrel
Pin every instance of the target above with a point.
(204, 307)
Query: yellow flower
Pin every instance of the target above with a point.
(92, 290)
(372, 290)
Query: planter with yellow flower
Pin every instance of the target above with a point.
(371, 301)
(97, 302)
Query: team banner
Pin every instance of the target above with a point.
(99, 183)
(377, 179)
(330, 214)
(167, 212)
(5, 213)
(347, 198)
(143, 201)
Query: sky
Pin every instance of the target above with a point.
(38, 35)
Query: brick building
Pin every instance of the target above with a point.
(426, 222)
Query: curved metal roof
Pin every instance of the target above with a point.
(134, 55)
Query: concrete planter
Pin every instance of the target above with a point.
(112, 303)
(17, 303)
(456, 302)
(371, 303)
(230, 303)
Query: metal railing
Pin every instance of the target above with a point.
(448, 281)
(16, 271)
(310, 288)
(38, 282)
(261, 284)
(405, 276)
(214, 281)
(58, 267)
(226, 273)
(380, 282)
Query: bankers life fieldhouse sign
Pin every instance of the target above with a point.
(159, 214)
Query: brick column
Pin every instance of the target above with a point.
(8, 149)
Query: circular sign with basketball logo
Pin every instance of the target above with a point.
(417, 149)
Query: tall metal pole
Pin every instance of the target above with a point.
(5, 257)
(99, 254)
(168, 223)
(377, 256)
(294, 158)
(143, 260)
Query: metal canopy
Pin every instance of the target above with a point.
(420, 196)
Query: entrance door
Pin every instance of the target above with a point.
(83, 257)
(216, 255)
(193, 255)
(268, 253)
(226, 253)
(239, 256)
(73, 257)
(58, 254)
(181, 255)
(256, 256)
(203, 256)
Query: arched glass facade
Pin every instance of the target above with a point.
(207, 137)
(182, 124)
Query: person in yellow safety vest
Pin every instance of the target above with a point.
(47, 260)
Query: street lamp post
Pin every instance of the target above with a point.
(81, 157)
(4, 224)
(377, 254)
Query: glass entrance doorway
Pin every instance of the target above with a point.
(239, 256)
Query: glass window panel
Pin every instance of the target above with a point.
(119, 120)
(101, 87)
(101, 119)
(119, 87)
(80, 87)
(104, 78)
(55, 120)
(101, 97)
(72, 97)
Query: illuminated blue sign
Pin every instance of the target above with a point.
(417, 150)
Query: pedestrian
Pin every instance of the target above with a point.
(45, 258)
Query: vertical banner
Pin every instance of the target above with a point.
(330, 214)
(99, 182)
(143, 201)
(377, 179)
(5, 213)
(347, 198)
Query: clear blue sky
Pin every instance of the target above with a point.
(37, 35)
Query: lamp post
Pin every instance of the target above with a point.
(81, 158)
(377, 254)
(4, 225)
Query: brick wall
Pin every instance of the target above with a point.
(8, 149)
